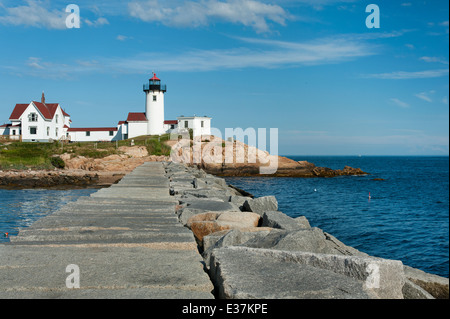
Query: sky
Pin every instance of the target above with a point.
(311, 68)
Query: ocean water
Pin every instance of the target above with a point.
(20, 208)
(406, 218)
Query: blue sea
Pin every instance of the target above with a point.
(20, 208)
(406, 217)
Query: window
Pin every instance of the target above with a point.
(56, 119)
(48, 131)
(186, 124)
(154, 98)
(32, 117)
(172, 126)
(13, 132)
(33, 130)
(111, 133)
(56, 132)
(201, 123)
(88, 133)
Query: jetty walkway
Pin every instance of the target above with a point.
(124, 241)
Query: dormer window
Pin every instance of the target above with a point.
(32, 117)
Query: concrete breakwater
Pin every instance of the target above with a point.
(167, 230)
(252, 250)
(124, 241)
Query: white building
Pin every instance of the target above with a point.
(94, 134)
(37, 122)
(41, 122)
(201, 125)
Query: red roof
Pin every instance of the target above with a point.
(154, 78)
(136, 117)
(47, 110)
(18, 110)
(93, 129)
(171, 122)
(121, 122)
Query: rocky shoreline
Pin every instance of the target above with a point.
(58, 179)
(82, 172)
(252, 250)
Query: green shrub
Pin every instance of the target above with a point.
(57, 162)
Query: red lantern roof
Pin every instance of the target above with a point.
(154, 78)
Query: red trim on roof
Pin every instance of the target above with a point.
(11, 125)
(121, 122)
(154, 78)
(136, 117)
(92, 129)
(64, 113)
(171, 122)
(65, 126)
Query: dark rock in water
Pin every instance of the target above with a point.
(49, 180)
(328, 172)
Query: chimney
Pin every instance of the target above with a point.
(43, 98)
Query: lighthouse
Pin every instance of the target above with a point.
(154, 105)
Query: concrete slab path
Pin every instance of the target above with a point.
(123, 241)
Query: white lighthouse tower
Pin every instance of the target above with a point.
(154, 105)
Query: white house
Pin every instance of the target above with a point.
(46, 122)
(200, 125)
(37, 122)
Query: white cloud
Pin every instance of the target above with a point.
(399, 102)
(96, 23)
(34, 15)
(262, 54)
(122, 37)
(249, 13)
(424, 96)
(38, 14)
(275, 54)
(400, 75)
(432, 59)
(35, 63)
